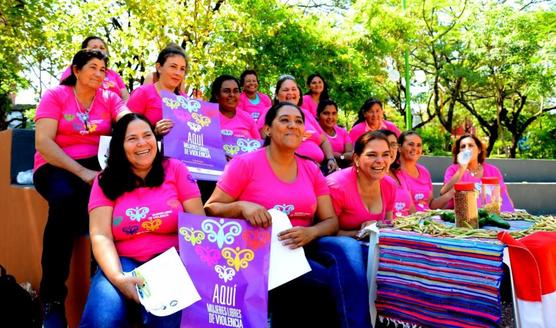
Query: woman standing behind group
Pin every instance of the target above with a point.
(171, 67)
(69, 122)
(318, 91)
(251, 100)
(112, 81)
(371, 118)
(233, 122)
(327, 114)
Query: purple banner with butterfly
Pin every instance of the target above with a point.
(234, 146)
(228, 261)
(195, 138)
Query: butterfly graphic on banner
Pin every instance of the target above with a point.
(225, 273)
(238, 259)
(194, 126)
(193, 236)
(137, 213)
(255, 238)
(191, 105)
(220, 232)
(173, 104)
(231, 149)
(201, 119)
(208, 255)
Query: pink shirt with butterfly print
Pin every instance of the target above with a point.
(310, 147)
(78, 137)
(403, 201)
(420, 187)
(241, 125)
(348, 204)
(249, 177)
(145, 220)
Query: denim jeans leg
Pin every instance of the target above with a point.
(347, 270)
(106, 306)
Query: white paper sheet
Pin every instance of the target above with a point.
(168, 287)
(285, 264)
(102, 154)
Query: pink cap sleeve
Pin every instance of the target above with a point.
(136, 102)
(66, 73)
(119, 81)
(187, 186)
(50, 105)
(319, 182)
(336, 194)
(235, 178)
(116, 104)
(449, 173)
(98, 198)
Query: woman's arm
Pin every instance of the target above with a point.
(454, 179)
(194, 206)
(328, 153)
(327, 225)
(104, 250)
(441, 201)
(124, 93)
(45, 133)
(348, 151)
(222, 204)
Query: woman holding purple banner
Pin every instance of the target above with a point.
(244, 191)
(225, 91)
(171, 67)
(133, 209)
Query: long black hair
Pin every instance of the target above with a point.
(324, 94)
(273, 112)
(118, 177)
(81, 58)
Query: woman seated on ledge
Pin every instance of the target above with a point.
(275, 177)
(134, 208)
(341, 143)
(473, 170)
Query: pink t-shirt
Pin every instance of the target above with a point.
(112, 82)
(77, 134)
(249, 177)
(310, 146)
(145, 220)
(489, 170)
(420, 187)
(256, 111)
(360, 128)
(310, 105)
(348, 204)
(403, 200)
(145, 100)
(241, 126)
(339, 141)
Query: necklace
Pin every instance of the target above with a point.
(476, 171)
(83, 113)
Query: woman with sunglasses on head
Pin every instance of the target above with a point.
(70, 119)
(171, 67)
(112, 81)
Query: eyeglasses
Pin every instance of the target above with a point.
(394, 145)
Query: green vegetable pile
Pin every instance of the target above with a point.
(428, 223)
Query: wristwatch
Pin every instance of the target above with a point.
(342, 157)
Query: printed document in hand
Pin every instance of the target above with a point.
(285, 264)
(167, 286)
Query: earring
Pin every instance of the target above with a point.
(357, 167)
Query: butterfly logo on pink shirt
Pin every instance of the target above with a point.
(131, 230)
(137, 213)
(419, 196)
(248, 145)
(208, 255)
(227, 132)
(255, 115)
(225, 273)
(69, 117)
(107, 84)
(286, 209)
(255, 238)
(194, 126)
(201, 119)
(399, 206)
(151, 225)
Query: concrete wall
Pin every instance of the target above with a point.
(531, 183)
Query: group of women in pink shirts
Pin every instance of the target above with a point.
(381, 179)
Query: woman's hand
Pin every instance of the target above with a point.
(464, 157)
(332, 165)
(257, 215)
(127, 286)
(87, 175)
(367, 223)
(297, 236)
(163, 126)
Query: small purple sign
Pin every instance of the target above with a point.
(228, 261)
(234, 146)
(195, 138)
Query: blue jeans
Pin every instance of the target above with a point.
(108, 307)
(345, 260)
